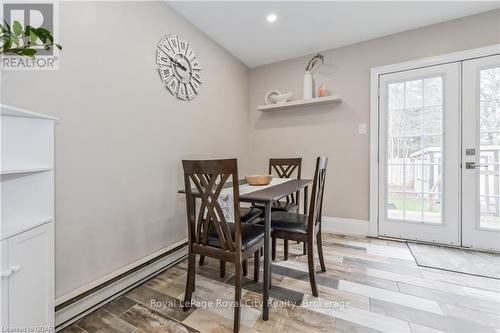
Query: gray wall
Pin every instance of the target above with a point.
(122, 135)
(333, 130)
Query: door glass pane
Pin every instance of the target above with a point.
(414, 150)
(432, 208)
(489, 139)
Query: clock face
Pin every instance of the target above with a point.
(178, 66)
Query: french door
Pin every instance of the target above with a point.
(439, 154)
(419, 154)
(481, 153)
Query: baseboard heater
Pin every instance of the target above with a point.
(73, 307)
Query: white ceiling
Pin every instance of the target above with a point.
(306, 27)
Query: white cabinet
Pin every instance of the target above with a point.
(28, 278)
(27, 220)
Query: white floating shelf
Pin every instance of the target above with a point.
(301, 103)
(24, 170)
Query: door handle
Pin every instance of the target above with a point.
(14, 269)
(473, 165)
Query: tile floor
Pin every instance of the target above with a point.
(371, 285)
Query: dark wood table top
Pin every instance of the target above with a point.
(268, 194)
(276, 192)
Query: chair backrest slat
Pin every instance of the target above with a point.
(285, 168)
(210, 177)
(318, 190)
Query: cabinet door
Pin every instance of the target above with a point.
(4, 283)
(31, 287)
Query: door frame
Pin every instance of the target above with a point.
(375, 73)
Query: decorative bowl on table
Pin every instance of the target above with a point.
(259, 180)
(281, 98)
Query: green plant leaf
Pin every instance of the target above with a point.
(6, 26)
(44, 31)
(6, 46)
(41, 34)
(14, 39)
(33, 37)
(28, 52)
(58, 46)
(18, 28)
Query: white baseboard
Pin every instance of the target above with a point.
(345, 226)
(73, 312)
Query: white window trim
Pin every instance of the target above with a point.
(375, 73)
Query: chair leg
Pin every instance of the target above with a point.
(237, 297)
(245, 268)
(202, 260)
(222, 268)
(285, 248)
(190, 281)
(304, 250)
(319, 243)
(310, 262)
(256, 264)
(273, 248)
(261, 251)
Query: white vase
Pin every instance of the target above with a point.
(307, 91)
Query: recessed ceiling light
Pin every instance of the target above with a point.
(271, 18)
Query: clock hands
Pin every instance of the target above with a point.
(178, 64)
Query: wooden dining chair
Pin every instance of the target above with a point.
(209, 232)
(305, 228)
(285, 168)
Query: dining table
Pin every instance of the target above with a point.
(266, 196)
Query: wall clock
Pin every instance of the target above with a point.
(178, 66)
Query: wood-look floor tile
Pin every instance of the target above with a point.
(277, 292)
(462, 279)
(344, 326)
(159, 302)
(362, 278)
(424, 318)
(149, 321)
(342, 297)
(450, 297)
(207, 321)
(172, 286)
(72, 329)
(391, 267)
(101, 321)
(358, 316)
(334, 245)
(303, 275)
(391, 296)
(119, 305)
(415, 328)
(472, 314)
(437, 285)
(295, 319)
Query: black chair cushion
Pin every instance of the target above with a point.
(289, 222)
(251, 234)
(249, 214)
